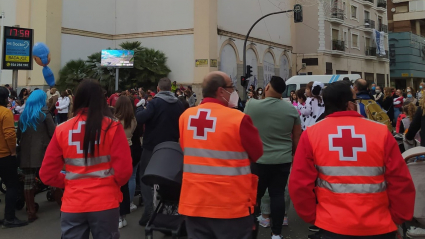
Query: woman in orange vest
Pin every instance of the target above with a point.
(94, 150)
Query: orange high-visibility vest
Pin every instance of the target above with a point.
(89, 184)
(351, 187)
(217, 179)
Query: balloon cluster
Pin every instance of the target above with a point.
(41, 55)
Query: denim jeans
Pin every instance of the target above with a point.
(147, 193)
(265, 202)
(132, 183)
(273, 177)
(9, 175)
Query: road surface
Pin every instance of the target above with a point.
(48, 224)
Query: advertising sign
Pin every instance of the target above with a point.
(17, 48)
(117, 58)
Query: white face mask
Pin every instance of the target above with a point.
(260, 92)
(233, 100)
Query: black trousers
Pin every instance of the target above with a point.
(62, 117)
(273, 177)
(330, 235)
(9, 175)
(102, 225)
(212, 228)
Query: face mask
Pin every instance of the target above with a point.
(249, 97)
(373, 88)
(409, 95)
(378, 91)
(233, 100)
(260, 92)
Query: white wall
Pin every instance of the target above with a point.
(134, 16)
(238, 16)
(79, 47)
(9, 9)
(180, 53)
(92, 15)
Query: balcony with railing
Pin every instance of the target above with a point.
(337, 15)
(382, 5)
(368, 3)
(383, 28)
(370, 51)
(369, 24)
(384, 56)
(338, 46)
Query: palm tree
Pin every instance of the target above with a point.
(72, 73)
(105, 75)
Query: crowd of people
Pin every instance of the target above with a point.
(237, 157)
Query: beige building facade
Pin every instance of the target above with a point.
(345, 45)
(197, 36)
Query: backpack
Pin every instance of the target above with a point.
(374, 112)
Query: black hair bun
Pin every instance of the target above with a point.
(316, 90)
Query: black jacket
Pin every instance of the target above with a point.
(418, 122)
(161, 119)
(388, 105)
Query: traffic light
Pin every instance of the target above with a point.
(298, 13)
(248, 71)
(243, 81)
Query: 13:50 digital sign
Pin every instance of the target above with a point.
(17, 48)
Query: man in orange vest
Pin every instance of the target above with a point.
(361, 183)
(218, 190)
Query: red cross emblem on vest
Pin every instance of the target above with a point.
(202, 123)
(347, 143)
(76, 137)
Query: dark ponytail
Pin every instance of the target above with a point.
(89, 99)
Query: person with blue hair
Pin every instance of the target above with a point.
(35, 129)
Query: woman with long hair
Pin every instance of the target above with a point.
(93, 148)
(124, 112)
(314, 106)
(408, 112)
(35, 129)
(71, 102)
(23, 95)
(63, 107)
(260, 93)
(388, 103)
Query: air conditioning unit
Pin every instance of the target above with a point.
(303, 65)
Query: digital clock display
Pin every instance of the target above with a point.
(18, 32)
(17, 48)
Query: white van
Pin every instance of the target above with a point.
(297, 82)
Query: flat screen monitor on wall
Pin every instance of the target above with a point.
(117, 58)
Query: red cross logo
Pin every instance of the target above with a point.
(202, 123)
(78, 135)
(347, 143)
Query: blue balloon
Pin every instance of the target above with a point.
(48, 76)
(41, 51)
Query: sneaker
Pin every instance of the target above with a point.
(416, 232)
(285, 221)
(124, 222)
(14, 223)
(277, 237)
(264, 222)
(313, 228)
(120, 224)
(133, 207)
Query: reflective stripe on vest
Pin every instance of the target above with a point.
(90, 161)
(96, 174)
(217, 154)
(216, 170)
(352, 188)
(350, 171)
